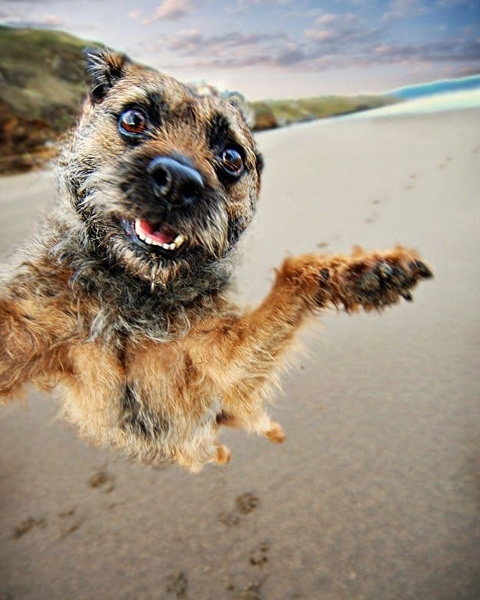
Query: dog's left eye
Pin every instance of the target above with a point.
(132, 121)
(232, 161)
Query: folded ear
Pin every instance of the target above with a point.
(104, 68)
(239, 101)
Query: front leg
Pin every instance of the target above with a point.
(30, 348)
(368, 280)
(243, 355)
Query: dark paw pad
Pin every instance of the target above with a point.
(388, 280)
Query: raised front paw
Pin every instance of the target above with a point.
(380, 280)
(371, 280)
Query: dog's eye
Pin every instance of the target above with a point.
(232, 161)
(132, 121)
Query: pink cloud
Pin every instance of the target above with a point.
(174, 9)
(325, 19)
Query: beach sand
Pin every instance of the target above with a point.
(376, 493)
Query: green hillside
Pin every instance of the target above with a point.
(42, 84)
(278, 113)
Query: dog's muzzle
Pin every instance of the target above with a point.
(175, 182)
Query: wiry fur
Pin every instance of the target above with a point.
(148, 351)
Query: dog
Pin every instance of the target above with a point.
(121, 302)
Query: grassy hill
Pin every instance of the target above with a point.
(42, 84)
(278, 113)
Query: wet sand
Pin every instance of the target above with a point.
(376, 493)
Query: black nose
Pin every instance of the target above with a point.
(175, 182)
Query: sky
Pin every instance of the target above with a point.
(276, 49)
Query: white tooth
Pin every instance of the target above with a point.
(138, 231)
(178, 241)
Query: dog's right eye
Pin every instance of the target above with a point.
(132, 122)
(232, 162)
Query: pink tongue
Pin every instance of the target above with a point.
(163, 235)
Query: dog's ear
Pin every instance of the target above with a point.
(240, 102)
(104, 68)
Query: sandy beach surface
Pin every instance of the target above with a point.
(376, 493)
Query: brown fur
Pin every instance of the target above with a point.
(150, 355)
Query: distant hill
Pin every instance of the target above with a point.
(43, 83)
(278, 113)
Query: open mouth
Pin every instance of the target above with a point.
(155, 237)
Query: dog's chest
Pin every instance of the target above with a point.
(161, 377)
(164, 377)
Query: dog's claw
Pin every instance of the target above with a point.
(421, 269)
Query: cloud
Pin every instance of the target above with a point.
(193, 43)
(341, 38)
(448, 50)
(52, 21)
(21, 20)
(471, 30)
(291, 55)
(244, 6)
(173, 10)
(331, 29)
(234, 49)
(359, 47)
(456, 3)
(241, 4)
(401, 9)
(328, 18)
(333, 41)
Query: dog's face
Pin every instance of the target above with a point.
(162, 178)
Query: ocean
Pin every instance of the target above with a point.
(436, 96)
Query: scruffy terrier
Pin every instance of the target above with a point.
(121, 301)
